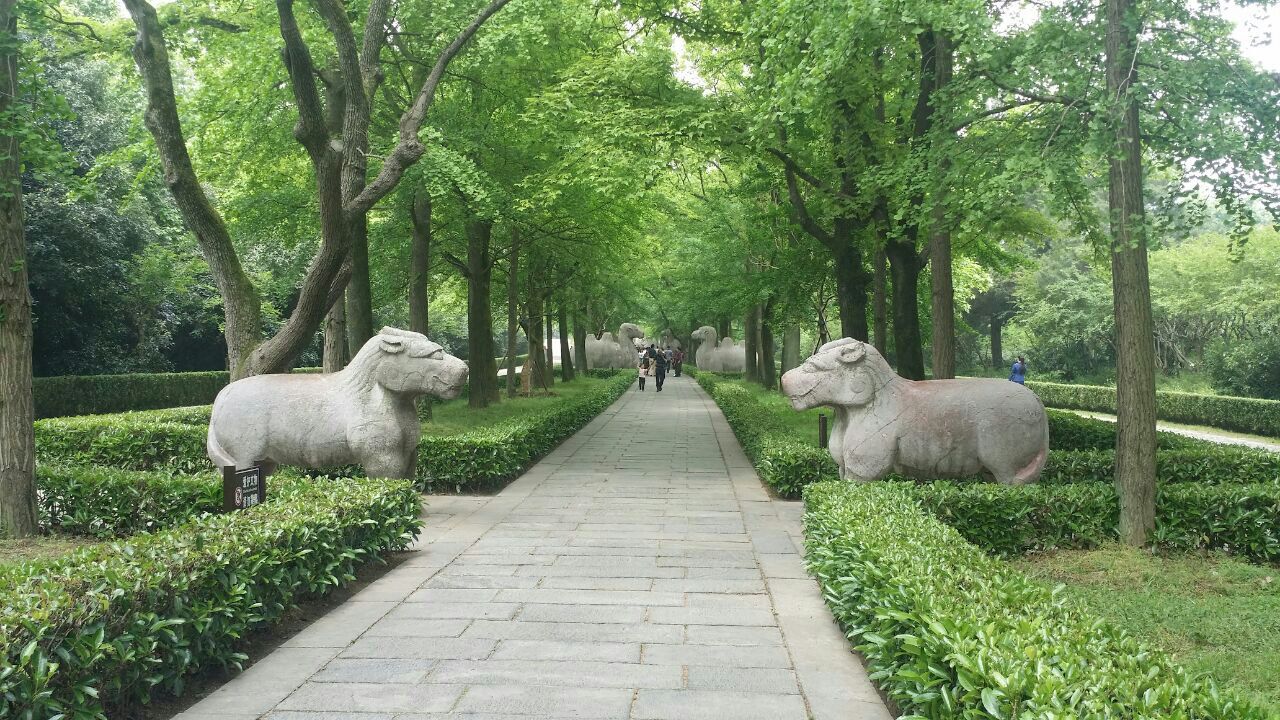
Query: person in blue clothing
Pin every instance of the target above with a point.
(1019, 374)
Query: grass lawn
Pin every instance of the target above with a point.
(803, 425)
(454, 416)
(1215, 615)
(14, 552)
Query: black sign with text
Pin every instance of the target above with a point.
(243, 489)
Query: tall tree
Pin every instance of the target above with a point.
(1131, 286)
(344, 192)
(17, 413)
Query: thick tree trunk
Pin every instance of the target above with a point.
(18, 516)
(359, 292)
(790, 347)
(880, 302)
(1131, 288)
(550, 339)
(942, 289)
(724, 327)
(420, 262)
(851, 292)
(751, 335)
(768, 371)
(905, 266)
(335, 355)
(566, 354)
(513, 310)
(997, 342)
(483, 369)
(580, 342)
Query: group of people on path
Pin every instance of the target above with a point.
(655, 363)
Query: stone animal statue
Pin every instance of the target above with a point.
(363, 414)
(614, 351)
(718, 356)
(923, 429)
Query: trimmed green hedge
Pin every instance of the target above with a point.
(1241, 519)
(1213, 465)
(481, 460)
(89, 394)
(950, 632)
(174, 440)
(1069, 431)
(1248, 415)
(111, 626)
(106, 502)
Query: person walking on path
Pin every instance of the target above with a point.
(643, 369)
(1019, 374)
(677, 362)
(660, 370)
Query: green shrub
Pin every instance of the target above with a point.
(129, 441)
(105, 502)
(1230, 413)
(1236, 518)
(114, 625)
(91, 394)
(483, 459)
(1069, 431)
(950, 632)
(1212, 465)
(1248, 367)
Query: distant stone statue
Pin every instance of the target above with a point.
(363, 414)
(924, 429)
(615, 352)
(723, 355)
(669, 340)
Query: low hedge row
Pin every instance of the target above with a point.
(174, 440)
(950, 632)
(1069, 431)
(67, 395)
(1248, 415)
(483, 459)
(1240, 519)
(106, 502)
(110, 626)
(1212, 465)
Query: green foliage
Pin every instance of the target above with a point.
(126, 442)
(104, 502)
(92, 394)
(1069, 431)
(1248, 367)
(950, 632)
(483, 459)
(1229, 413)
(124, 623)
(1211, 465)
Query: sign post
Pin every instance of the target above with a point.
(822, 431)
(242, 489)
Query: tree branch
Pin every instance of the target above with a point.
(310, 128)
(409, 148)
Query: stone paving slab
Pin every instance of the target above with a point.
(639, 571)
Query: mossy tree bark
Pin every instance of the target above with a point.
(482, 377)
(18, 516)
(335, 356)
(1135, 344)
(942, 300)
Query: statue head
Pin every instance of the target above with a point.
(704, 334)
(844, 372)
(407, 363)
(629, 333)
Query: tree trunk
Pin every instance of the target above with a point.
(1135, 346)
(335, 338)
(997, 342)
(724, 327)
(483, 369)
(580, 342)
(851, 292)
(535, 366)
(513, 301)
(942, 298)
(751, 335)
(880, 302)
(420, 262)
(551, 353)
(904, 266)
(566, 355)
(359, 293)
(790, 347)
(18, 517)
(768, 371)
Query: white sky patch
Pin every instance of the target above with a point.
(684, 69)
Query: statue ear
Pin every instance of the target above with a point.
(852, 353)
(391, 344)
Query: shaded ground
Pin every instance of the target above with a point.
(14, 552)
(1216, 615)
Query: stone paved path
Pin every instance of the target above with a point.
(638, 571)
